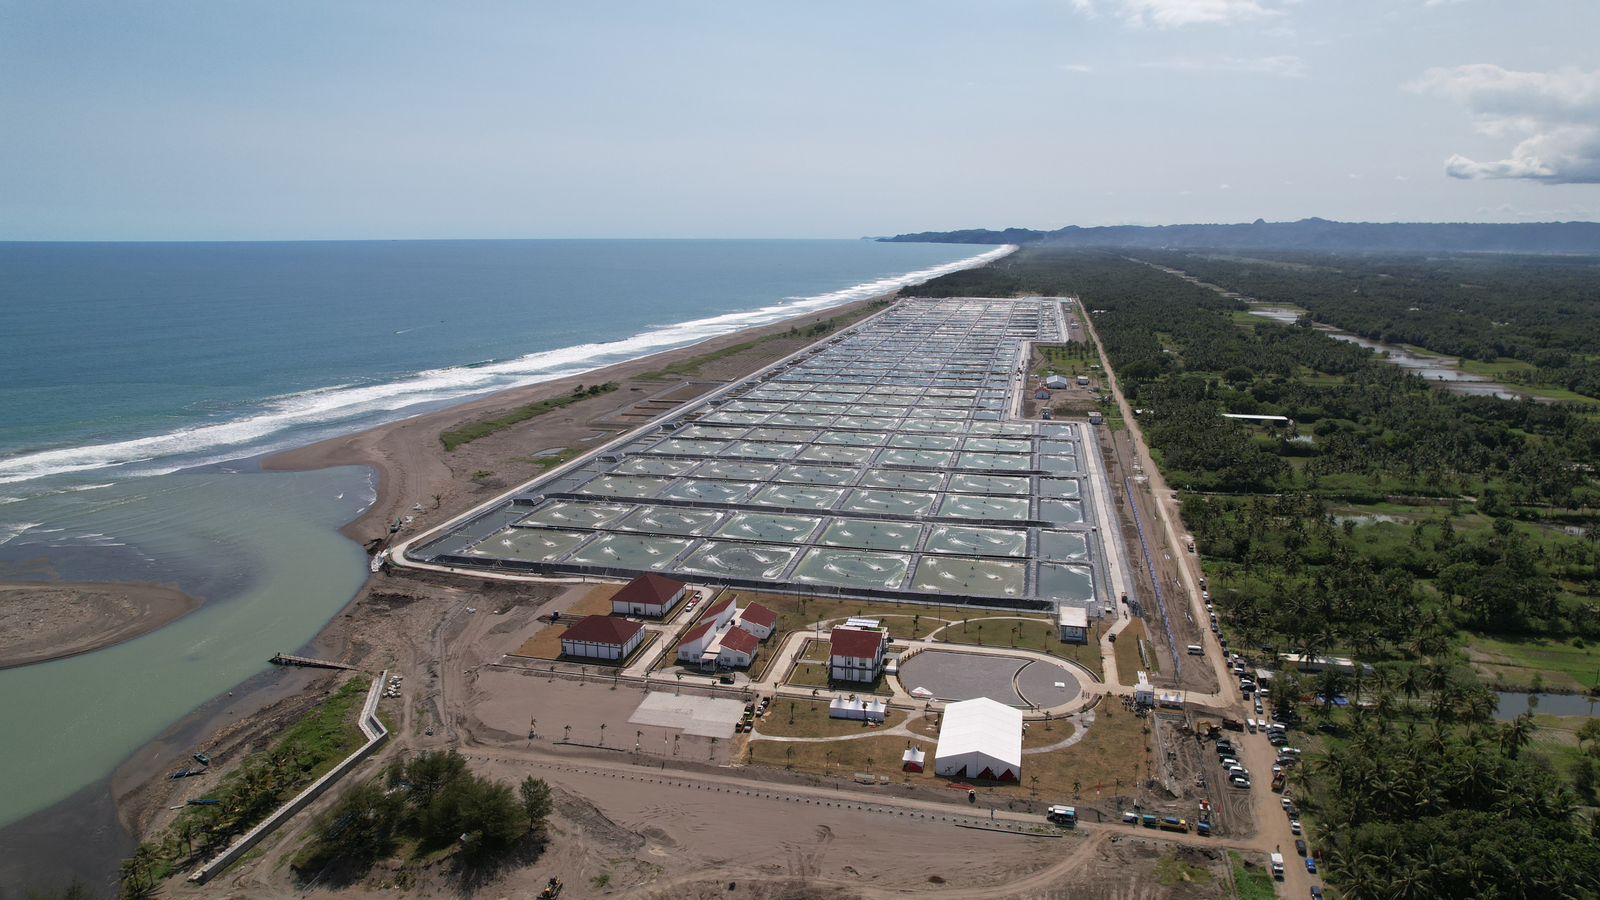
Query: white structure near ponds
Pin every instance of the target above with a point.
(980, 739)
(872, 710)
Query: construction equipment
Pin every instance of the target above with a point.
(551, 890)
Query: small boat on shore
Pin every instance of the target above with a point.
(202, 759)
(379, 560)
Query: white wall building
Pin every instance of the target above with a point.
(855, 654)
(648, 595)
(602, 637)
(980, 739)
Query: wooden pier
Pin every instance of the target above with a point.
(284, 659)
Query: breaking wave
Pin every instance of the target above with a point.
(329, 406)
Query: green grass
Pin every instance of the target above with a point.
(815, 331)
(1251, 882)
(1560, 665)
(1033, 633)
(455, 437)
(305, 752)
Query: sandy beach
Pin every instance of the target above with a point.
(41, 621)
(389, 620)
(414, 468)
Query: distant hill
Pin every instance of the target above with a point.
(1306, 234)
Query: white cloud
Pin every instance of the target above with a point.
(1177, 13)
(1283, 66)
(1556, 115)
(1075, 67)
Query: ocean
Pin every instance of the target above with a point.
(138, 376)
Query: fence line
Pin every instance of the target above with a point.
(376, 734)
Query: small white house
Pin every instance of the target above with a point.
(696, 641)
(1143, 693)
(1057, 382)
(758, 620)
(602, 637)
(721, 614)
(738, 649)
(1074, 624)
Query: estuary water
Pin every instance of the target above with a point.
(138, 375)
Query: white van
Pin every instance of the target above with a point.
(1196, 650)
(1250, 725)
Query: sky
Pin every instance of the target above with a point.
(279, 120)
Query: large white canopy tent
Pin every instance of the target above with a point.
(980, 738)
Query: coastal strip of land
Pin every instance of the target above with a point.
(414, 469)
(45, 620)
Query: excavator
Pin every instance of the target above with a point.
(551, 890)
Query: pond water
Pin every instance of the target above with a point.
(1515, 704)
(1432, 368)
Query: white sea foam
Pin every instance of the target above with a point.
(10, 531)
(331, 405)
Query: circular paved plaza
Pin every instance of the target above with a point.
(1012, 680)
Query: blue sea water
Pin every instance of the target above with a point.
(133, 372)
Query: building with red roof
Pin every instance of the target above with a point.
(602, 637)
(696, 641)
(856, 654)
(758, 620)
(648, 595)
(721, 613)
(738, 649)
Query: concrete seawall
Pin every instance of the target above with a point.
(376, 734)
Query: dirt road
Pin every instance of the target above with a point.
(1272, 825)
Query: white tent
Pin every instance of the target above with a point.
(871, 710)
(911, 760)
(922, 693)
(980, 738)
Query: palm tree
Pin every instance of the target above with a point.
(1516, 734)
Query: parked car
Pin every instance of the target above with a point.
(1300, 846)
(1311, 865)
(1294, 826)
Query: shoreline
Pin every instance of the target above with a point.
(412, 466)
(42, 621)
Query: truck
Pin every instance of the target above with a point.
(1066, 816)
(1277, 781)
(1150, 821)
(1232, 724)
(1172, 823)
(1277, 866)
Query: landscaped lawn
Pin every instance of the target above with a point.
(811, 720)
(1037, 633)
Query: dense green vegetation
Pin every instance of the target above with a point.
(432, 805)
(246, 795)
(1537, 316)
(1389, 519)
(455, 437)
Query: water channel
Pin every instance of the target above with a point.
(1431, 368)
